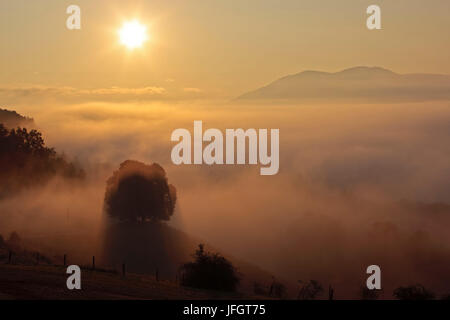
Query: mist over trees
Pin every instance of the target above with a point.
(12, 119)
(140, 193)
(26, 161)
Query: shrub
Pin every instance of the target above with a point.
(277, 290)
(14, 238)
(260, 289)
(209, 271)
(310, 291)
(414, 292)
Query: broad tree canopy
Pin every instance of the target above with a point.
(140, 192)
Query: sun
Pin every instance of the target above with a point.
(133, 34)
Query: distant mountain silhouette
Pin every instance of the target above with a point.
(358, 84)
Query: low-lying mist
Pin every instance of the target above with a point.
(358, 185)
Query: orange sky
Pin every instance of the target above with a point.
(215, 48)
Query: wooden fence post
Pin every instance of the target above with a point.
(123, 269)
(10, 257)
(65, 260)
(330, 293)
(93, 262)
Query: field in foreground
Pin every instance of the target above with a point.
(49, 282)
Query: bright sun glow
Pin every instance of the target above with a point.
(133, 34)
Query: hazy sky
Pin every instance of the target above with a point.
(222, 47)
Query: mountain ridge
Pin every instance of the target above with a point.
(359, 83)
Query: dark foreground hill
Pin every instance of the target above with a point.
(145, 248)
(156, 246)
(49, 283)
(12, 119)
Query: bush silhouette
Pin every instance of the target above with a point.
(277, 290)
(14, 241)
(139, 192)
(209, 271)
(415, 292)
(310, 291)
(260, 289)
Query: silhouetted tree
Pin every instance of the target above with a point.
(26, 161)
(140, 192)
(209, 271)
(260, 289)
(3, 131)
(414, 292)
(278, 290)
(14, 241)
(310, 291)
